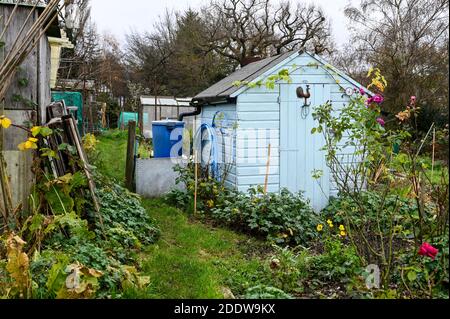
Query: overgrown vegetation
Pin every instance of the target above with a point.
(61, 247)
(389, 203)
(385, 236)
(282, 218)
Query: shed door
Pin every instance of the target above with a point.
(300, 152)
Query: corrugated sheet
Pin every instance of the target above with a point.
(166, 101)
(225, 87)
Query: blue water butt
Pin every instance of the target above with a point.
(167, 135)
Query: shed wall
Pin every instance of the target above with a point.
(25, 100)
(226, 144)
(258, 113)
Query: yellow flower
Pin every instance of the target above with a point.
(31, 143)
(342, 228)
(380, 86)
(330, 223)
(5, 122)
(343, 234)
(319, 228)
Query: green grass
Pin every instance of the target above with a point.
(191, 260)
(113, 152)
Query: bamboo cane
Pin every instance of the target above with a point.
(11, 68)
(266, 183)
(8, 22)
(23, 47)
(36, 26)
(434, 154)
(30, 38)
(22, 28)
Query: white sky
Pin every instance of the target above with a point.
(119, 17)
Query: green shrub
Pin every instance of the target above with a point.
(115, 134)
(125, 221)
(287, 269)
(424, 277)
(372, 201)
(180, 199)
(103, 246)
(338, 262)
(283, 218)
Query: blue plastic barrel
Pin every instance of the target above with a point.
(166, 135)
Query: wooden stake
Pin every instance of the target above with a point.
(129, 172)
(266, 183)
(77, 141)
(434, 153)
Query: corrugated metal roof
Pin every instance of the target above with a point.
(166, 101)
(225, 87)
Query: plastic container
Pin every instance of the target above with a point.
(166, 136)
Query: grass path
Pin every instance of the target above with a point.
(191, 260)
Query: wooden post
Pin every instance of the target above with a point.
(141, 118)
(129, 172)
(266, 183)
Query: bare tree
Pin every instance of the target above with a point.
(243, 30)
(408, 41)
(148, 54)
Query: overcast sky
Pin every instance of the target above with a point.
(120, 17)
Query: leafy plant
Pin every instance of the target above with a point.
(283, 218)
(338, 262)
(266, 292)
(287, 268)
(17, 267)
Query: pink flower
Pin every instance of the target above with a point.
(362, 91)
(369, 101)
(381, 121)
(379, 99)
(413, 99)
(427, 250)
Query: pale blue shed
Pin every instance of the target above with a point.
(249, 118)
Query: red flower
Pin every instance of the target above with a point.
(427, 250)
